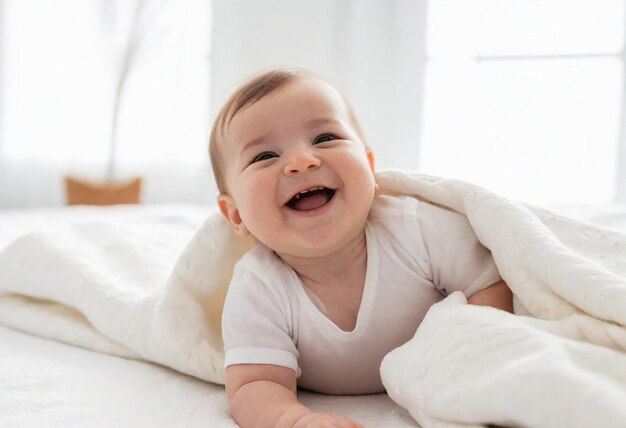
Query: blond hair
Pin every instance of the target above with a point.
(247, 94)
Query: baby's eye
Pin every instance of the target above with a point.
(264, 156)
(324, 138)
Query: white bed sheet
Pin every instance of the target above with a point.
(48, 383)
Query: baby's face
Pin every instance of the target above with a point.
(299, 177)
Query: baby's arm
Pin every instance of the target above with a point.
(497, 295)
(264, 395)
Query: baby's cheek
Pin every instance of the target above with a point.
(259, 219)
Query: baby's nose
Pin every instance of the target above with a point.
(301, 161)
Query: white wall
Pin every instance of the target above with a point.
(373, 51)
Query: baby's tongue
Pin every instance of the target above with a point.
(311, 202)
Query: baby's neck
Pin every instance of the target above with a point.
(346, 266)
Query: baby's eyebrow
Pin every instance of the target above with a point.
(255, 142)
(322, 121)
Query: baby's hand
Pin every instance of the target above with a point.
(314, 420)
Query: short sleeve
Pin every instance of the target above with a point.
(254, 324)
(459, 262)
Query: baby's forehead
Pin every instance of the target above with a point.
(316, 89)
(317, 98)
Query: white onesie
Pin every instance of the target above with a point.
(417, 253)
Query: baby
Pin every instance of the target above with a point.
(339, 276)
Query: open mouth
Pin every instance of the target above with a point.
(311, 199)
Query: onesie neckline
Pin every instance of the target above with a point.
(363, 315)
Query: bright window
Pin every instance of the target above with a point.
(524, 96)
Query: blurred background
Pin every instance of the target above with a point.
(526, 97)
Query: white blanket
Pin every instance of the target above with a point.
(101, 286)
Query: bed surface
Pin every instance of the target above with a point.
(47, 383)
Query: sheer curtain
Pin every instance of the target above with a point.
(60, 69)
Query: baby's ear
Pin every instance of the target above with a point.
(229, 210)
(372, 161)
